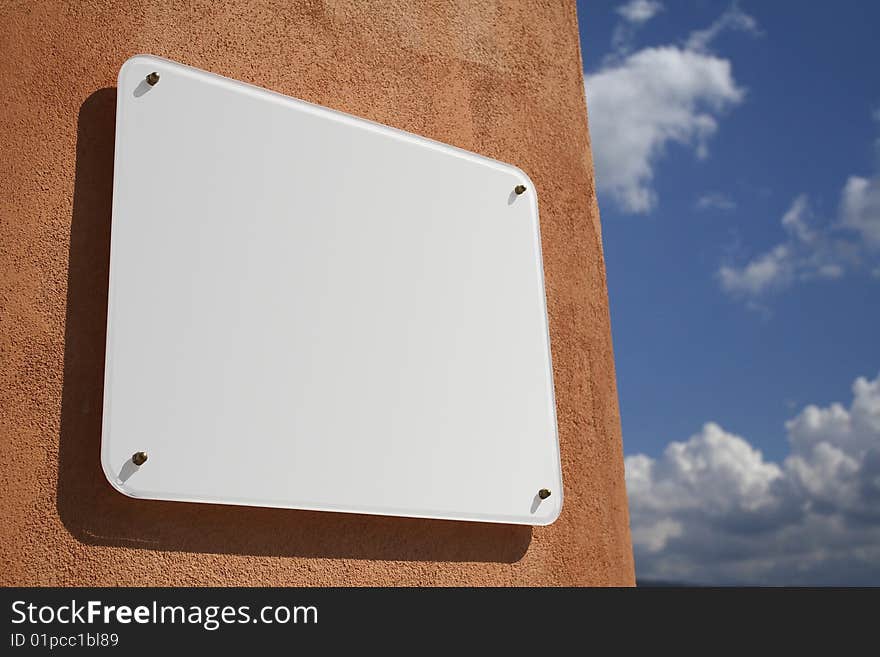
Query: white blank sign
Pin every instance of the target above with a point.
(313, 311)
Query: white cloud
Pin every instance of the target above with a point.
(713, 510)
(715, 201)
(830, 271)
(654, 537)
(769, 270)
(732, 19)
(634, 14)
(641, 102)
(795, 219)
(783, 263)
(802, 255)
(639, 11)
(651, 98)
(811, 252)
(860, 208)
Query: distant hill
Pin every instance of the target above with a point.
(660, 584)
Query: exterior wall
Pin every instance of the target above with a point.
(500, 78)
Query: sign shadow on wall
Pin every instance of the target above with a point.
(98, 515)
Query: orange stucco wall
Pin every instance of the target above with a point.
(499, 78)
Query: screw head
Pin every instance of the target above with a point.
(139, 458)
(519, 189)
(543, 493)
(152, 78)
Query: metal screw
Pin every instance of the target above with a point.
(519, 189)
(139, 458)
(543, 493)
(152, 79)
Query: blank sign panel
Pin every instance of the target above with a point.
(313, 311)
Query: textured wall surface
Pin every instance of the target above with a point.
(499, 78)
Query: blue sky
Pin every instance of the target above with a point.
(737, 152)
